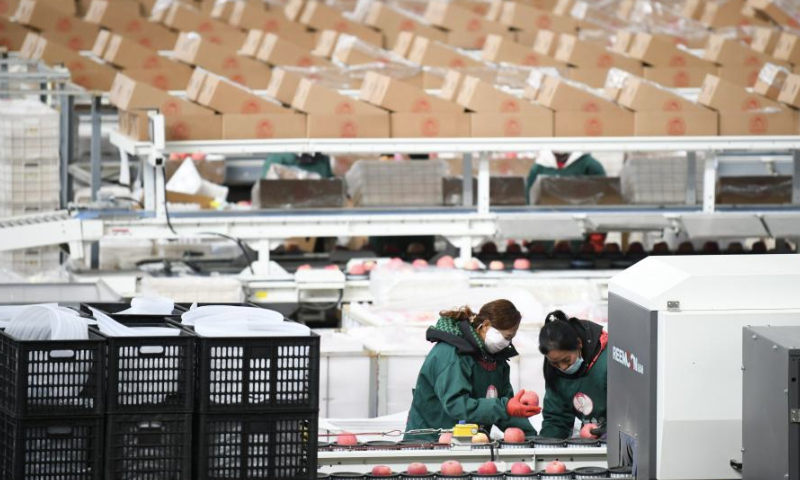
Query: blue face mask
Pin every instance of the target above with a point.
(573, 369)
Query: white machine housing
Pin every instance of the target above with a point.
(675, 357)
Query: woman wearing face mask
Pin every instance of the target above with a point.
(575, 374)
(465, 377)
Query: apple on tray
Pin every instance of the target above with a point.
(480, 438)
(451, 468)
(514, 435)
(487, 470)
(382, 471)
(346, 440)
(521, 468)
(586, 431)
(417, 469)
(556, 469)
(445, 438)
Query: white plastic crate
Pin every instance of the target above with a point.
(32, 181)
(31, 261)
(658, 178)
(396, 183)
(14, 209)
(28, 130)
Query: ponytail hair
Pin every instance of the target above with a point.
(559, 333)
(502, 314)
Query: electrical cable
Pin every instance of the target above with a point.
(238, 241)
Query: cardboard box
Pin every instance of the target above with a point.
(126, 53)
(12, 35)
(392, 22)
(263, 126)
(325, 193)
(523, 17)
(546, 43)
(293, 9)
(622, 42)
(472, 40)
(591, 77)
(192, 127)
(83, 70)
(283, 85)
(691, 77)
(770, 81)
(562, 96)
(451, 85)
(777, 12)
(251, 44)
(211, 170)
(166, 79)
(503, 191)
(222, 10)
(790, 92)
(585, 54)
(8, 7)
(744, 76)
(723, 96)
(478, 96)
(134, 125)
(47, 16)
(527, 37)
(326, 43)
(658, 52)
(117, 17)
(375, 125)
(358, 53)
(618, 123)
(430, 53)
(224, 96)
(642, 96)
(553, 190)
(222, 61)
(195, 84)
(403, 44)
(148, 34)
(128, 94)
(780, 122)
(450, 16)
(534, 122)
(230, 39)
(185, 18)
(320, 16)
(685, 123)
(430, 125)
(100, 43)
(314, 98)
(723, 14)
(724, 51)
(276, 51)
(765, 40)
(396, 96)
(78, 41)
(693, 9)
(562, 7)
(788, 48)
(249, 16)
(498, 49)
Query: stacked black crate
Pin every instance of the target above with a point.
(150, 398)
(51, 408)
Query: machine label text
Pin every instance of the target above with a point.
(628, 359)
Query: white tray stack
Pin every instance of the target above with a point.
(29, 175)
(396, 183)
(658, 178)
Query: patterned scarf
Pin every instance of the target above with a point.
(448, 325)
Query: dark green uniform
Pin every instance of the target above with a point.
(454, 381)
(585, 166)
(583, 398)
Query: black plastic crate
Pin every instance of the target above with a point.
(276, 446)
(52, 377)
(149, 447)
(150, 374)
(258, 374)
(68, 448)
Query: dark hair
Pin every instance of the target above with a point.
(559, 333)
(502, 315)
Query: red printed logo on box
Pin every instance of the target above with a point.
(593, 127)
(304, 62)
(230, 63)
(348, 130)
(145, 42)
(341, 26)
(408, 25)
(671, 105)
(64, 24)
(676, 126)
(758, 124)
(681, 79)
(421, 105)
(3, 7)
(171, 107)
(531, 60)
(479, 42)
(512, 128)
(474, 25)
(677, 61)
(134, 26)
(76, 66)
(264, 129)
(344, 108)
(751, 103)
(457, 63)
(544, 22)
(509, 106)
(590, 106)
(160, 82)
(238, 78)
(75, 43)
(605, 61)
(271, 25)
(215, 39)
(430, 127)
(752, 61)
(752, 78)
(180, 131)
(151, 62)
(205, 27)
(251, 106)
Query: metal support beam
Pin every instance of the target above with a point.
(67, 145)
(710, 183)
(483, 184)
(796, 177)
(466, 178)
(95, 152)
(691, 181)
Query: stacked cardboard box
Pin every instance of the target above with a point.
(224, 61)
(332, 115)
(392, 21)
(60, 26)
(124, 17)
(319, 16)
(464, 28)
(279, 52)
(84, 71)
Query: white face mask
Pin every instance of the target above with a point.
(495, 341)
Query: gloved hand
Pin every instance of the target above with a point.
(516, 408)
(600, 431)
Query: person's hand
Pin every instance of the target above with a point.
(600, 431)
(516, 408)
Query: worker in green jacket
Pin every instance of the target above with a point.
(575, 375)
(465, 377)
(562, 164)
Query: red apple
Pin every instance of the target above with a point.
(522, 264)
(369, 265)
(183, 156)
(304, 267)
(331, 267)
(174, 156)
(586, 430)
(520, 468)
(396, 262)
(381, 471)
(480, 438)
(530, 398)
(452, 468)
(496, 265)
(417, 469)
(445, 262)
(472, 264)
(445, 438)
(555, 467)
(346, 439)
(514, 435)
(357, 269)
(198, 156)
(419, 263)
(488, 468)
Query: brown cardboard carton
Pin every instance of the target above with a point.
(392, 22)
(561, 96)
(134, 125)
(613, 123)
(765, 40)
(472, 40)
(685, 123)
(790, 92)
(224, 96)
(192, 127)
(324, 193)
(430, 125)
(403, 44)
(622, 42)
(744, 76)
(585, 54)
(723, 96)
(251, 44)
(527, 37)
(770, 81)
(116, 17)
(358, 53)
(563, 7)
(776, 12)
(375, 125)
(396, 96)
(128, 94)
(430, 53)
(769, 122)
(451, 85)
(642, 96)
(100, 43)
(276, 51)
(450, 16)
(293, 9)
(311, 97)
(523, 17)
(723, 14)
(591, 77)
(788, 48)
(12, 35)
(479, 96)
(283, 85)
(126, 53)
(83, 70)
(498, 49)
(693, 9)
(534, 122)
(263, 126)
(232, 39)
(185, 18)
(319, 16)
(222, 61)
(661, 53)
(724, 51)
(195, 84)
(78, 40)
(162, 78)
(8, 7)
(689, 77)
(546, 43)
(148, 34)
(46, 16)
(326, 43)
(222, 10)
(248, 16)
